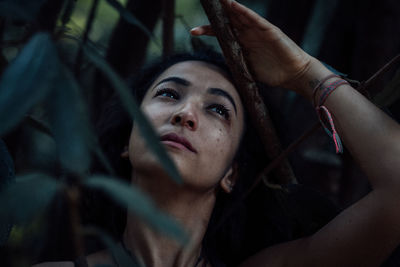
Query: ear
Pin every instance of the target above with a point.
(125, 153)
(228, 181)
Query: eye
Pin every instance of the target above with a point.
(221, 110)
(168, 93)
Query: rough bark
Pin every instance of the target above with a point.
(247, 88)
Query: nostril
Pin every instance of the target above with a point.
(191, 124)
(177, 119)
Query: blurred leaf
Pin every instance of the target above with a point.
(137, 202)
(20, 9)
(130, 18)
(119, 254)
(145, 128)
(27, 80)
(68, 117)
(27, 197)
(29, 231)
(103, 159)
(39, 125)
(390, 94)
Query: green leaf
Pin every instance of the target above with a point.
(38, 124)
(20, 9)
(27, 197)
(119, 254)
(145, 128)
(137, 202)
(27, 80)
(130, 18)
(68, 117)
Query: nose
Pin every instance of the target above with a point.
(186, 117)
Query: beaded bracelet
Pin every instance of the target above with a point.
(322, 110)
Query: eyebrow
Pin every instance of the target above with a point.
(175, 80)
(212, 91)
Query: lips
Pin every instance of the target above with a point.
(178, 140)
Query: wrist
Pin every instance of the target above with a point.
(313, 74)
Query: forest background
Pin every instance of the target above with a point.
(88, 48)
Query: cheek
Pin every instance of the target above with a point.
(155, 113)
(220, 148)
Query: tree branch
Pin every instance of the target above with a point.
(247, 88)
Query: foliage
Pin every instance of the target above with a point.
(47, 80)
(40, 81)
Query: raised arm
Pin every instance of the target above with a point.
(366, 233)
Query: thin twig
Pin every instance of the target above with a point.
(264, 173)
(247, 87)
(364, 86)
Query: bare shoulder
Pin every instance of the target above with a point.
(55, 264)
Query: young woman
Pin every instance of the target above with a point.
(195, 108)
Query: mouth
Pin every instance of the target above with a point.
(177, 141)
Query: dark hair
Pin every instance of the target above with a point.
(237, 228)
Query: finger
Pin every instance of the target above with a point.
(202, 30)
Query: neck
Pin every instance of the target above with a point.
(191, 208)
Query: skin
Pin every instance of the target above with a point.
(366, 233)
(192, 111)
(363, 235)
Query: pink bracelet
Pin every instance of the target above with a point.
(322, 110)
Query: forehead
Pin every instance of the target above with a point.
(200, 74)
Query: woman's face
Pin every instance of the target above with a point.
(199, 117)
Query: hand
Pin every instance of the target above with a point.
(275, 59)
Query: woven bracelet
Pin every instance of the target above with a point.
(323, 111)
